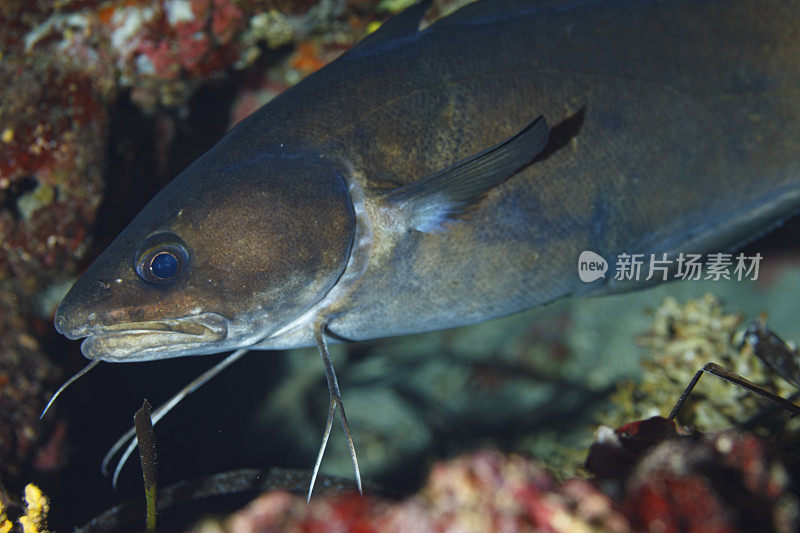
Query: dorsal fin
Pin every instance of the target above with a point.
(401, 25)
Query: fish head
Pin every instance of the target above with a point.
(231, 250)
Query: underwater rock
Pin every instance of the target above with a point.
(681, 339)
(52, 129)
(25, 374)
(53, 123)
(649, 475)
(53, 117)
(66, 62)
(665, 479)
(483, 491)
(163, 49)
(53, 120)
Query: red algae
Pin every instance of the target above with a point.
(483, 491)
(669, 480)
(649, 476)
(53, 125)
(226, 20)
(53, 117)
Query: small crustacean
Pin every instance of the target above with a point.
(773, 351)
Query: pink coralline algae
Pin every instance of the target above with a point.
(163, 49)
(52, 127)
(648, 476)
(671, 481)
(156, 47)
(53, 121)
(484, 491)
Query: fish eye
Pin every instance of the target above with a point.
(161, 258)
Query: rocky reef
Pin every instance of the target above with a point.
(648, 475)
(484, 491)
(101, 104)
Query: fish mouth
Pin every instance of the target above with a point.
(156, 339)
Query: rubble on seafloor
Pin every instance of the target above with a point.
(647, 476)
(64, 66)
(663, 478)
(484, 491)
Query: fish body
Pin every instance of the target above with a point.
(398, 190)
(675, 127)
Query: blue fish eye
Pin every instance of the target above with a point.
(161, 258)
(164, 265)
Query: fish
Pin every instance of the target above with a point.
(436, 177)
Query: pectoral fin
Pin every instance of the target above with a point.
(429, 202)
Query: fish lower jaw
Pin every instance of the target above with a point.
(143, 341)
(138, 346)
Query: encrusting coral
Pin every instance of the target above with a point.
(681, 340)
(36, 508)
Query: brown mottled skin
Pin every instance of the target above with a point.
(675, 126)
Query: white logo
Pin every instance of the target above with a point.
(591, 266)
